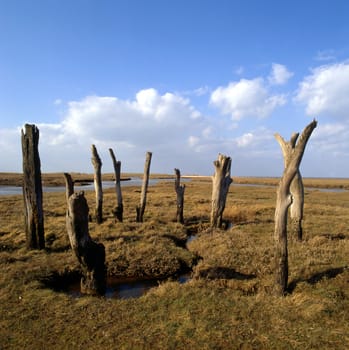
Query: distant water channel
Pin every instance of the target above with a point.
(12, 190)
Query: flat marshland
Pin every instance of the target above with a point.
(227, 303)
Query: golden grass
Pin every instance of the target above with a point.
(227, 305)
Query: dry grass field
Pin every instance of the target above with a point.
(227, 303)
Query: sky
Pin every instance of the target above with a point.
(183, 79)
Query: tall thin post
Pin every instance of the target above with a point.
(32, 189)
(97, 164)
(180, 196)
(141, 207)
(118, 211)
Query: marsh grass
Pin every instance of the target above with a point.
(226, 305)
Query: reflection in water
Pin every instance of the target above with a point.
(125, 289)
(131, 289)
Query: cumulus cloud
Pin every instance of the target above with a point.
(325, 91)
(166, 124)
(246, 98)
(178, 134)
(279, 74)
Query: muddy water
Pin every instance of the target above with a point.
(125, 288)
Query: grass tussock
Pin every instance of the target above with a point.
(227, 304)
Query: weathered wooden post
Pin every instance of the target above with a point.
(91, 255)
(180, 196)
(221, 181)
(296, 187)
(119, 209)
(297, 206)
(283, 201)
(32, 189)
(141, 207)
(97, 164)
(69, 186)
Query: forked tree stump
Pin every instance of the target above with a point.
(141, 207)
(32, 189)
(180, 197)
(221, 181)
(296, 187)
(119, 209)
(91, 255)
(97, 164)
(283, 201)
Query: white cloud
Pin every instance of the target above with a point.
(326, 91)
(279, 74)
(162, 123)
(245, 139)
(246, 98)
(177, 134)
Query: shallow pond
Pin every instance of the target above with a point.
(124, 288)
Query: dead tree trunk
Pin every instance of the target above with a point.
(97, 164)
(69, 186)
(180, 196)
(32, 189)
(140, 209)
(283, 201)
(221, 181)
(297, 206)
(119, 209)
(91, 255)
(296, 187)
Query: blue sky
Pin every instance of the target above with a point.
(184, 79)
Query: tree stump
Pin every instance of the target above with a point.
(141, 207)
(91, 255)
(119, 209)
(296, 187)
(221, 181)
(97, 164)
(180, 196)
(283, 201)
(32, 189)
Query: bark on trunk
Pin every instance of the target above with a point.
(119, 209)
(32, 189)
(140, 209)
(221, 181)
(297, 206)
(180, 196)
(283, 201)
(90, 254)
(97, 164)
